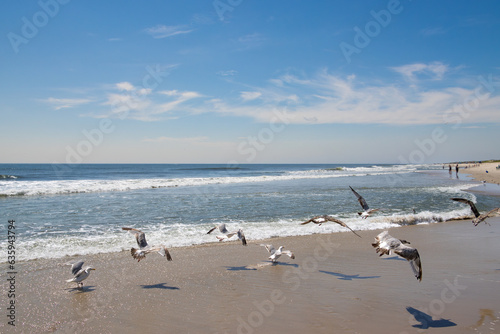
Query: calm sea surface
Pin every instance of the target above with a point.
(79, 209)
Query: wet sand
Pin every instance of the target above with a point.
(336, 284)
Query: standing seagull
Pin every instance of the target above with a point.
(385, 244)
(479, 217)
(275, 254)
(144, 248)
(222, 228)
(364, 205)
(80, 274)
(322, 219)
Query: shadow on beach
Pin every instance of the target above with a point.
(347, 277)
(159, 286)
(426, 320)
(83, 289)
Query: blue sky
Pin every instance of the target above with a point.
(240, 81)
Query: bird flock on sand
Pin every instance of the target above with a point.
(384, 243)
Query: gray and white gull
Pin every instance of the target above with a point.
(364, 205)
(387, 244)
(80, 273)
(324, 218)
(478, 217)
(222, 228)
(144, 248)
(276, 253)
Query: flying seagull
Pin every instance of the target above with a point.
(385, 244)
(144, 248)
(322, 219)
(222, 228)
(80, 274)
(275, 254)
(364, 205)
(479, 217)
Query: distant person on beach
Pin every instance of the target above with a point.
(449, 169)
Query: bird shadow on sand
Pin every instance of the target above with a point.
(346, 277)
(239, 268)
(282, 264)
(87, 288)
(426, 320)
(159, 286)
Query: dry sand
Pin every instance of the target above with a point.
(336, 284)
(483, 172)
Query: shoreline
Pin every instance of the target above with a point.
(337, 283)
(481, 172)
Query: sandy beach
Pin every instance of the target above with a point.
(336, 284)
(483, 172)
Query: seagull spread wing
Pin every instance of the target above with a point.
(361, 200)
(289, 253)
(140, 237)
(385, 243)
(470, 203)
(485, 215)
(341, 223)
(411, 254)
(270, 248)
(75, 266)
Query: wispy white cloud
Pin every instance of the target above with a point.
(247, 96)
(127, 86)
(145, 105)
(329, 99)
(163, 31)
(65, 103)
(434, 71)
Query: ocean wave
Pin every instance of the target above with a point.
(89, 239)
(5, 176)
(31, 188)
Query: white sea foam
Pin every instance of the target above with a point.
(30, 188)
(87, 240)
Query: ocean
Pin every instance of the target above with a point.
(68, 210)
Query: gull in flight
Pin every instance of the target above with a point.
(144, 248)
(222, 228)
(79, 272)
(386, 244)
(478, 217)
(275, 254)
(322, 219)
(364, 205)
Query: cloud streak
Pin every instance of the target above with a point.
(330, 99)
(65, 103)
(163, 31)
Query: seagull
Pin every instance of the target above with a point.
(479, 217)
(222, 228)
(80, 274)
(364, 205)
(385, 244)
(144, 248)
(322, 219)
(275, 254)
